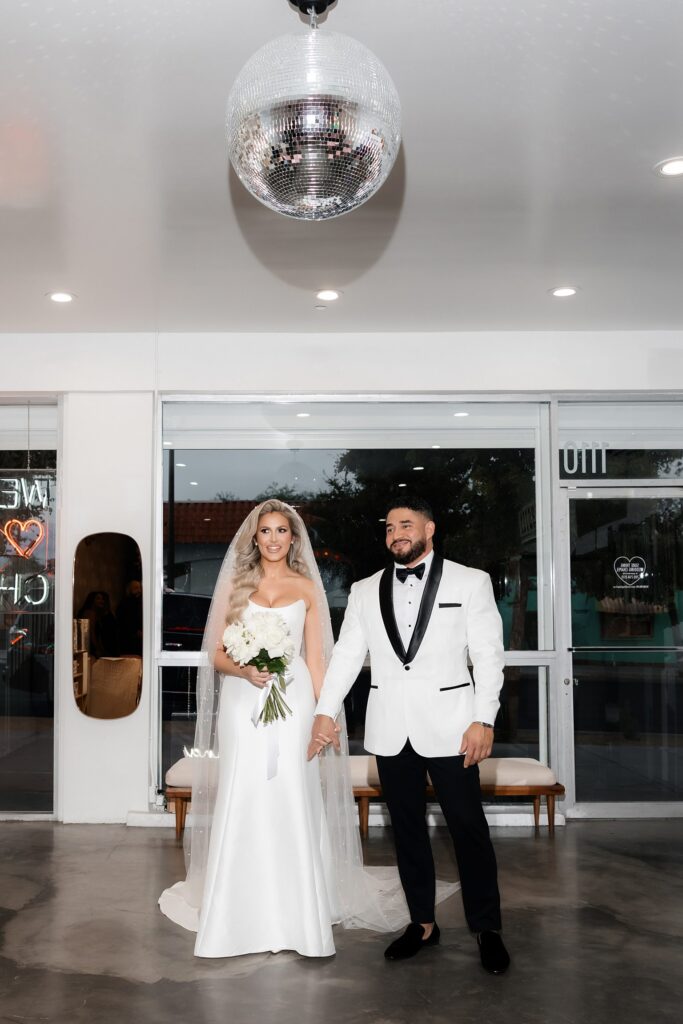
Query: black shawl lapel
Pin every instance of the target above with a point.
(386, 604)
(426, 606)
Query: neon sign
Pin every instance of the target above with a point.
(24, 533)
(24, 589)
(14, 531)
(19, 492)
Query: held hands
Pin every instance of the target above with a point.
(477, 742)
(325, 731)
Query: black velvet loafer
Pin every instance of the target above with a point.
(494, 956)
(412, 942)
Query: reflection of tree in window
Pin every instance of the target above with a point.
(479, 496)
(285, 492)
(484, 504)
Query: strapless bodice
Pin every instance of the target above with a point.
(294, 615)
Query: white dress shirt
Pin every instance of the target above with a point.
(407, 599)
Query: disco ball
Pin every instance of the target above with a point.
(313, 124)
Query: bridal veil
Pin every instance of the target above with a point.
(365, 898)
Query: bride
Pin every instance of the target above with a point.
(274, 851)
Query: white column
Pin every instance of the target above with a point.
(106, 485)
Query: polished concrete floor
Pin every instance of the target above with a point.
(593, 919)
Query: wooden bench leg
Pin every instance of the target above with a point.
(180, 815)
(537, 812)
(364, 815)
(550, 807)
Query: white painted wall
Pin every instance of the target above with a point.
(105, 472)
(485, 361)
(474, 362)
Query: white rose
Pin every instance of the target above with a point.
(271, 633)
(239, 642)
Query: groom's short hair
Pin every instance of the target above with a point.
(414, 502)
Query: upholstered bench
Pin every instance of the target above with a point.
(500, 776)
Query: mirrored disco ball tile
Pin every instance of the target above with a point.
(312, 158)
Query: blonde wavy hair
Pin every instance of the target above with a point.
(248, 572)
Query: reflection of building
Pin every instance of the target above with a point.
(196, 538)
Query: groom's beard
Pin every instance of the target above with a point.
(414, 551)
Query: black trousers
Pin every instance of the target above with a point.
(403, 778)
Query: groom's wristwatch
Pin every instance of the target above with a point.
(487, 725)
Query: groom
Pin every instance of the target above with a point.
(420, 618)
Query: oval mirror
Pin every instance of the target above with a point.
(107, 625)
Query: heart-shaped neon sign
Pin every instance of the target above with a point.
(15, 531)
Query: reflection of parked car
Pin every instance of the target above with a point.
(183, 621)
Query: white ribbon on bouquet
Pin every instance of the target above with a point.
(272, 730)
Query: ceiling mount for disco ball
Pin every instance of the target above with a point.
(305, 6)
(313, 122)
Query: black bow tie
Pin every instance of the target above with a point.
(403, 574)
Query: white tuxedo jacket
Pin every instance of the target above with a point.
(424, 694)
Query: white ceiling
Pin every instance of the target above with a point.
(530, 129)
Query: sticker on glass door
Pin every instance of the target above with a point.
(631, 572)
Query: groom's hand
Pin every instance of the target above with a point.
(325, 731)
(477, 742)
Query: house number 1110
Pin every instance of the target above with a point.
(586, 457)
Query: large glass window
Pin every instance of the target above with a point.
(27, 559)
(339, 463)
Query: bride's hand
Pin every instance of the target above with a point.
(255, 676)
(325, 731)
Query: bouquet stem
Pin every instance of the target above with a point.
(276, 706)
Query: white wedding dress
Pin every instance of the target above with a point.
(269, 880)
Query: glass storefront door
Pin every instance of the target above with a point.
(626, 564)
(28, 511)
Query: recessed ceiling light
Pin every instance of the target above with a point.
(303, 415)
(671, 167)
(321, 307)
(403, 485)
(193, 483)
(207, 520)
(461, 414)
(327, 295)
(61, 296)
(382, 520)
(436, 446)
(565, 292)
(181, 465)
(415, 468)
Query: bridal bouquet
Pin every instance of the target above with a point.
(264, 641)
